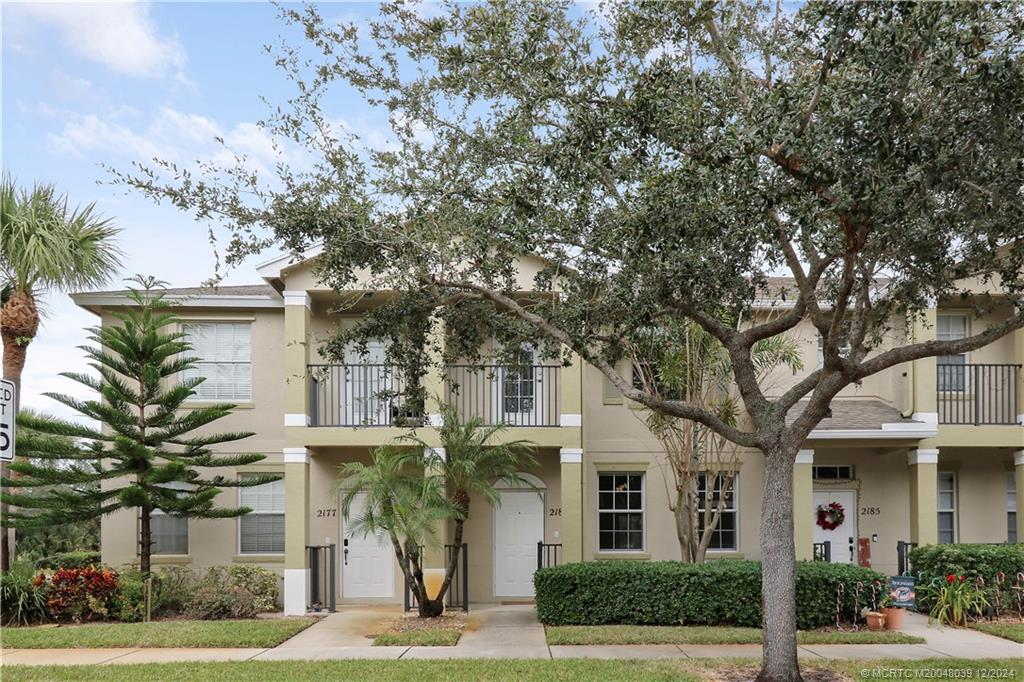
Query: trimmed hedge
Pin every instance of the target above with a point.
(932, 561)
(935, 562)
(672, 593)
(78, 559)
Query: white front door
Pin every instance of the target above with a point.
(368, 562)
(844, 537)
(518, 527)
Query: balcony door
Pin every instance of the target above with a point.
(367, 377)
(519, 391)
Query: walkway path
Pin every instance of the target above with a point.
(514, 632)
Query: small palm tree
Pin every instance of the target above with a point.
(46, 245)
(474, 459)
(403, 501)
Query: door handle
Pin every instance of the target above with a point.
(344, 556)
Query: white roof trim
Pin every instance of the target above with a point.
(192, 300)
(274, 266)
(897, 430)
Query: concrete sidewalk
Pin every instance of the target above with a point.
(509, 632)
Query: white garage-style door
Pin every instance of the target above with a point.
(843, 537)
(518, 527)
(368, 562)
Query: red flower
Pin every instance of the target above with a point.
(950, 578)
(963, 578)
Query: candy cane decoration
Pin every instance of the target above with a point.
(875, 584)
(1019, 587)
(841, 588)
(1000, 577)
(857, 587)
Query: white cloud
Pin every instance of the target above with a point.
(68, 87)
(121, 36)
(172, 136)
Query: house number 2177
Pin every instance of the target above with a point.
(326, 512)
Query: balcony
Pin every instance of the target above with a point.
(367, 395)
(978, 394)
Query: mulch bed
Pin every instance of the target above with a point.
(748, 673)
(446, 621)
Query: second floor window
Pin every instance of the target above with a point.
(261, 531)
(947, 506)
(224, 357)
(620, 512)
(725, 535)
(952, 375)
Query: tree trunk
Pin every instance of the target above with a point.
(684, 526)
(778, 574)
(19, 322)
(145, 541)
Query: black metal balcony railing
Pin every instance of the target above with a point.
(358, 395)
(524, 395)
(978, 393)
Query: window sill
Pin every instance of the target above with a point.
(258, 558)
(618, 556)
(199, 404)
(723, 554)
(170, 559)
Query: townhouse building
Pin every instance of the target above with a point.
(930, 451)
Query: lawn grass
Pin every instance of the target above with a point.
(425, 637)
(1011, 631)
(661, 634)
(567, 670)
(262, 632)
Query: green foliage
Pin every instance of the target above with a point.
(22, 602)
(49, 245)
(76, 559)
(672, 593)
(177, 584)
(210, 602)
(129, 601)
(148, 446)
(263, 584)
(954, 599)
(973, 561)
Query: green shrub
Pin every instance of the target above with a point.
(673, 593)
(79, 559)
(177, 584)
(129, 601)
(22, 602)
(211, 602)
(932, 563)
(262, 583)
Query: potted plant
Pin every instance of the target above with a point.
(893, 614)
(875, 619)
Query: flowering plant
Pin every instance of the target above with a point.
(77, 594)
(832, 516)
(955, 600)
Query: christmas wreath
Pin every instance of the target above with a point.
(832, 516)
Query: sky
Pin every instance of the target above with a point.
(88, 85)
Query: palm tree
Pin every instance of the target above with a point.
(46, 245)
(403, 501)
(684, 362)
(473, 459)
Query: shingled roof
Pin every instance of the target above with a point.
(861, 415)
(233, 290)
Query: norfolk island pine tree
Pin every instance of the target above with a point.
(146, 456)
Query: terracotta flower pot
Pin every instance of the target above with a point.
(876, 621)
(894, 617)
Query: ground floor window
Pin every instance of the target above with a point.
(947, 506)
(169, 533)
(261, 531)
(726, 535)
(1011, 508)
(620, 511)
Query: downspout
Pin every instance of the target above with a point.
(909, 412)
